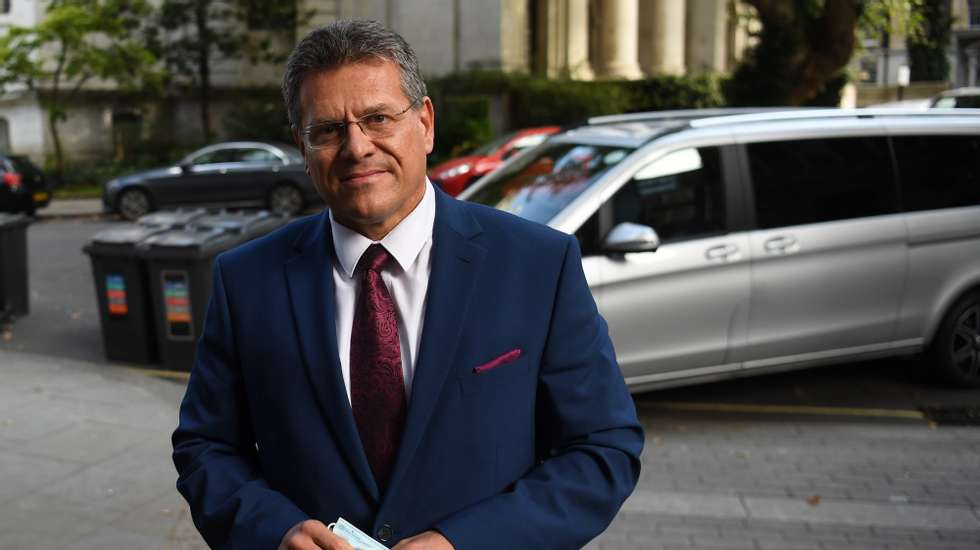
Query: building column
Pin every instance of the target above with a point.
(577, 63)
(563, 39)
(707, 35)
(662, 36)
(618, 39)
(515, 37)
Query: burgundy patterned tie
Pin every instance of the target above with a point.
(377, 387)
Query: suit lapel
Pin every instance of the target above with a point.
(312, 295)
(456, 261)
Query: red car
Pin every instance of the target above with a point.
(456, 174)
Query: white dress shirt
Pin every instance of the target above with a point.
(407, 279)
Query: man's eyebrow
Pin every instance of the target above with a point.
(376, 108)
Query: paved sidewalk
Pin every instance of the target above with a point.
(85, 463)
(71, 208)
(85, 458)
(759, 482)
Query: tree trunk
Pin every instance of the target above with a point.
(831, 46)
(803, 48)
(59, 159)
(203, 65)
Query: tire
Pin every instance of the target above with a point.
(285, 199)
(133, 203)
(954, 354)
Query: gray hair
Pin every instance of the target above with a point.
(349, 41)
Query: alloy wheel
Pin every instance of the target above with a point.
(134, 203)
(965, 343)
(285, 199)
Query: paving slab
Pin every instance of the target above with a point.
(85, 458)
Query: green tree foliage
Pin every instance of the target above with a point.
(191, 36)
(927, 48)
(804, 46)
(79, 42)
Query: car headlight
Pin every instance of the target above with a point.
(112, 185)
(458, 170)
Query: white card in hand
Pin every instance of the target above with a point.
(354, 536)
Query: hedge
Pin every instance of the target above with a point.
(463, 102)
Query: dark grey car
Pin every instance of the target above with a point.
(238, 173)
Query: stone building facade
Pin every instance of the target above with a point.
(579, 39)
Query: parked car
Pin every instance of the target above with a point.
(957, 98)
(455, 175)
(739, 245)
(239, 173)
(23, 186)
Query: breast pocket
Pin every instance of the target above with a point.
(495, 374)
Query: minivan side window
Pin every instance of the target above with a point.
(938, 171)
(680, 195)
(820, 180)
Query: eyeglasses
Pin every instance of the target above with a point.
(330, 134)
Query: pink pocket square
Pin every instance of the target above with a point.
(503, 359)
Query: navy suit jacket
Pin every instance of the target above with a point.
(538, 452)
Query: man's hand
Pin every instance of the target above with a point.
(429, 540)
(312, 535)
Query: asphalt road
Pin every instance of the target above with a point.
(63, 319)
(64, 322)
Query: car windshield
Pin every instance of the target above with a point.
(540, 184)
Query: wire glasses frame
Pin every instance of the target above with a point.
(330, 134)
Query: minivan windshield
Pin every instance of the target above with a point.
(539, 184)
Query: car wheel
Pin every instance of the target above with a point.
(955, 352)
(133, 203)
(285, 199)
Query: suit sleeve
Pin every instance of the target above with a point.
(590, 463)
(214, 447)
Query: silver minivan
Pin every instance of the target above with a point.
(736, 245)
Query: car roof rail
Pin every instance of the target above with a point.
(819, 114)
(683, 114)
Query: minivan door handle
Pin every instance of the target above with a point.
(782, 245)
(722, 253)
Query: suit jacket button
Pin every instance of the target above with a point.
(385, 533)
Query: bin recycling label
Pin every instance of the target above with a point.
(177, 305)
(115, 291)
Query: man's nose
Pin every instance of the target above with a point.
(356, 144)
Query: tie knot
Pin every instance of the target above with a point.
(374, 258)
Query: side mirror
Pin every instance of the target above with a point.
(631, 237)
(185, 167)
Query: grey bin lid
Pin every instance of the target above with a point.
(171, 219)
(243, 224)
(187, 244)
(120, 240)
(10, 221)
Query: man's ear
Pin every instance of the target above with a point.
(428, 118)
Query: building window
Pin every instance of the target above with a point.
(974, 7)
(4, 6)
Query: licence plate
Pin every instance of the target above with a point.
(40, 197)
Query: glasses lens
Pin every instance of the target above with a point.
(378, 125)
(325, 135)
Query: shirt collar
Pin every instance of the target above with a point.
(404, 242)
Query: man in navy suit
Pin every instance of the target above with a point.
(433, 372)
